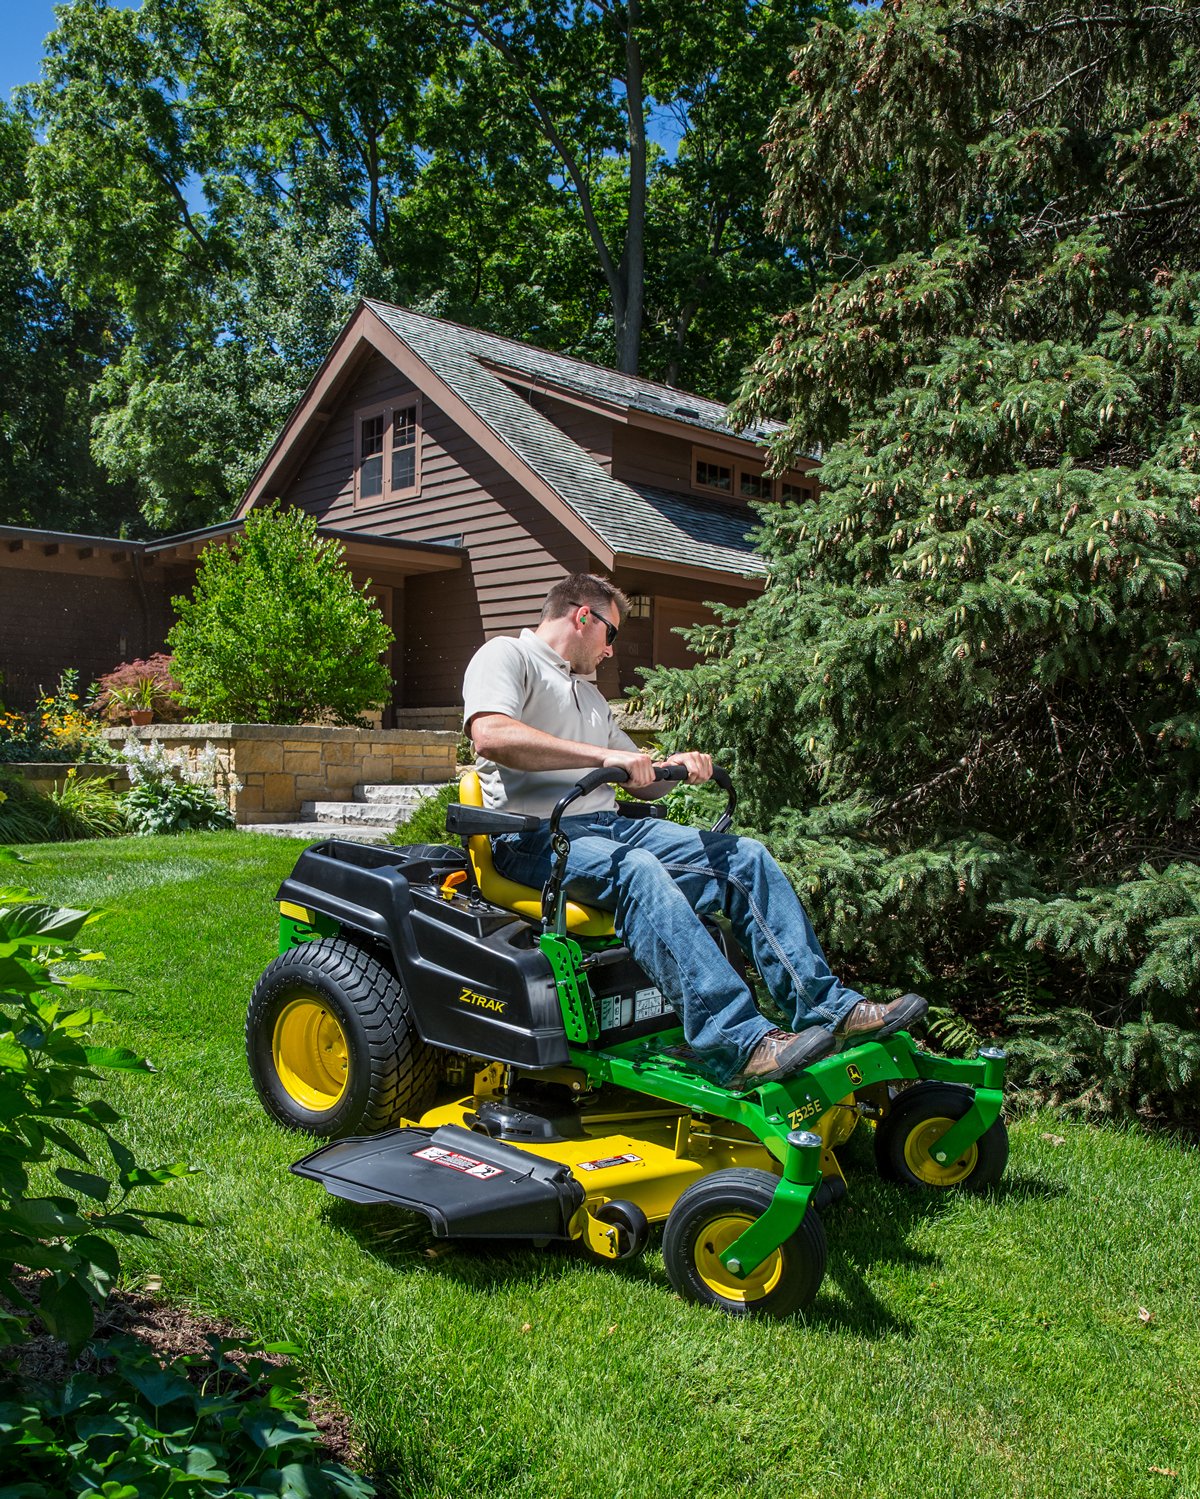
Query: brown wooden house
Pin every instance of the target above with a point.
(465, 474)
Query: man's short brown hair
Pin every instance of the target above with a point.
(584, 588)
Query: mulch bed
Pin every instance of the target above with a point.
(171, 1332)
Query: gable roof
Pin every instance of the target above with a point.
(619, 522)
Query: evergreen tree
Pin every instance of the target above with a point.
(965, 708)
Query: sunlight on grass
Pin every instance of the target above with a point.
(1042, 1341)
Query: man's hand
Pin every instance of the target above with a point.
(699, 767)
(638, 767)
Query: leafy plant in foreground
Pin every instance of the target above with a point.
(134, 1429)
(122, 1426)
(48, 1130)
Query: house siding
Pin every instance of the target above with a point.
(592, 431)
(517, 551)
(88, 620)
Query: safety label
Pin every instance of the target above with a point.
(465, 1163)
(608, 1160)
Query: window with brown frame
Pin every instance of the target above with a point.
(387, 460)
(727, 474)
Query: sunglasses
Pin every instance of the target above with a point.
(611, 631)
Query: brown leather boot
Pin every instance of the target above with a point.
(780, 1053)
(868, 1021)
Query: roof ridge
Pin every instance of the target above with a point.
(674, 390)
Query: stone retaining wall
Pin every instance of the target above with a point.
(280, 766)
(45, 775)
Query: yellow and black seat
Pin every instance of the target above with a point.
(582, 921)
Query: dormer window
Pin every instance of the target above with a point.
(387, 460)
(733, 476)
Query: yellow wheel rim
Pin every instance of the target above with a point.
(311, 1057)
(714, 1238)
(919, 1150)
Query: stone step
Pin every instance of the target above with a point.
(317, 832)
(379, 814)
(398, 795)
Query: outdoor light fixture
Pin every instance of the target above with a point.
(639, 606)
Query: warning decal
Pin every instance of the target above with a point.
(464, 1163)
(608, 1160)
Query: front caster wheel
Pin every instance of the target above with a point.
(906, 1139)
(709, 1217)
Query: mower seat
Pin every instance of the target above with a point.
(582, 921)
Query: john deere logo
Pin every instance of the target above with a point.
(853, 1074)
(481, 1001)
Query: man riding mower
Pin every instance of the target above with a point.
(490, 1055)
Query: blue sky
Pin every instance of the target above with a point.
(24, 25)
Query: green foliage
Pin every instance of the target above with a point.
(276, 630)
(965, 708)
(48, 1128)
(231, 1424)
(170, 794)
(428, 822)
(74, 808)
(87, 806)
(170, 806)
(51, 353)
(214, 184)
(129, 1427)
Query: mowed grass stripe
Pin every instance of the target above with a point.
(960, 1346)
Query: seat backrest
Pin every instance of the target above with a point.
(582, 921)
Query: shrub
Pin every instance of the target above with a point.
(276, 631)
(428, 822)
(170, 795)
(154, 677)
(79, 808)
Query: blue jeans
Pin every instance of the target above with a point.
(658, 879)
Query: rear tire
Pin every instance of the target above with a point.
(906, 1136)
(331, 1043)
(709, 1216)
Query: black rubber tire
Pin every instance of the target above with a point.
(741, 1194)
(390, 1072)
(898, 1142)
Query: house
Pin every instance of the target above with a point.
(464, 473)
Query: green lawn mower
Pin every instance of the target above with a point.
(492, 1057)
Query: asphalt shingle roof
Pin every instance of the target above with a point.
(636, 520)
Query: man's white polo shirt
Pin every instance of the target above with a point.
(524, 679)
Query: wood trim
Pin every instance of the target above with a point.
(595, 404)
(388, 343)
(655, 565)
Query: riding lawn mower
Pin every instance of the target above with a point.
(491, 1056)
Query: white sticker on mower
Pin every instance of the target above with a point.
(609, 1160)
(465, 1163)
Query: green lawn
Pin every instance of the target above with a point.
(959, 1346)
